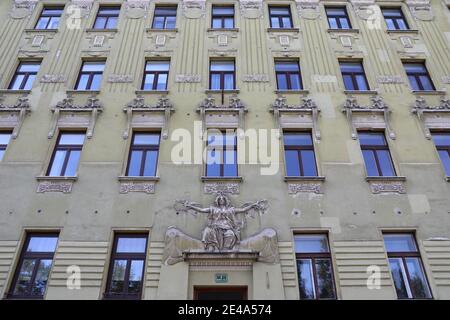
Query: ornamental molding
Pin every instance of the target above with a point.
(432, 116)
(308, 9)
(382, 185)
(194, 9)
(205, 261)
(64, 186)
(420, 9)
(163, 105)
(188, 78)
(19, 110)
(235, 105)
(120, 78)
(67, 105)
(221, 237)
(307, 105)
(390, 79)
(22, 8)
(222, 52)
(251, 9)
(137, 186)
(255, 78)
(366, 10)
(378, 106)
(136, 9)
(221, 187)
(305, 186)
(80, 8)
(53, 78)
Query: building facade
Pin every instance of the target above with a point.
(268, 149)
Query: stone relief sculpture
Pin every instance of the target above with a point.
(222, 232)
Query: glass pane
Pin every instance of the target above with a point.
(399, 277)
(217, 23)
(228, 23)
(118, 276)
(439, 139)
(215, 81)
(42, 244)
(426, 82)
(274, 22)
(135, 278)
(54, 23)
(325, 287)
(162, 82)
(344, 23)
(351, 67)
(96, 82)
(228, 81)
(309, 163)
(297, 139)
(305, 279)
(384, 158)
(311, 243)
(134, 167)
(332, 23)
(148, 82)
(100, 23)
(82, 83)
(419, 285)
(25, 274)
(29, 84)
(109, 11)
(72, 163)
(146, 139)
(371, 164)
(2, 153)
(170, 22)
(413, 83)
(158, 23)
(390, 24)
(295, 82)
(223, 10)
(150, 163)
(335, 11)
(213, 161)
(93, 66)
(57, 164)
(415, 68)
(5, 137)
(166, 11)
(17, 82)
(112, 23)
(29, 67)
(131, 245)
(402, 24)
(371, 139)
(292, 163)
(392, 12)
(230, 165)
(287, 66)
(157, 66)
(40, 282)
(222, 66)
(399, 243)
(42, 23)
(279, 11)
(361, 82)
(348, 82)
(445, 159)
(216, 139)
(286, 22)
(75, 139)
(282, 82)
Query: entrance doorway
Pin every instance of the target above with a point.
(220, 293)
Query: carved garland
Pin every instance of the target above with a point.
(22, 107)
(420, 108)
(307, 106)
(378, 106)
(138, 105)
(67, 105)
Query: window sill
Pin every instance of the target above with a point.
(91, 30)
(385, 185)
(175, 30)
(55, 184)
(304, 178)
(302, 184)
(223, 29)
(151, 92)
(57, 178)
(343, 30)
(137, 178)
(303, 92)
(225, 179)
(137, 184)
(361, 92)
(413, 31)
(385, 178)
(429, 92)
(283, 30)
(220, 91)
(41, 30)
(83, 91)
(7, 91)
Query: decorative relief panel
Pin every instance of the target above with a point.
(283, 41)
(222, 39)
(394, 79)
(380, 185)
(194, 9)
(53, 78)
(136, 9)
(161, 41)
(376, 115)
(366, 9)
(255, 78)
(188, 78)
(63, 186)
(12, 116)
(308, 9)
(305, 186)
(22, 8)
(98, 43)
(420, 9)
(432, 117)
(120, 78)
(80, 8)
(345, 43)
(34, 44)
(251, 9)
(137, 186)
(223, 187)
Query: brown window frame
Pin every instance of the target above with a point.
(395, 19)
(417, 76)
(144, 149)
(317, 255)
(157, 15)
(155, 75)
(129, 257)
(107, 16)
(68, 148)
(222, 17)
(222, 75)
(375, 148)
(337, 17)
(288, 74)
(25, 74)
(299, 149)
(31, 255)
(354, 74)
(409, 254)
(49, 15)
(224, 148)
(280, 17)
(91, 75)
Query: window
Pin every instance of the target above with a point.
(90, 77)
(314, 267)
(66, 155)
(406, 266)
(24, 76)
(280, 17)
(288, 75)
(442, 142)
(299, 154)
(221, 75)
(222, 17)
(49, 18)
(395, 20)
(107, 18)
(221, 154)
(165, 18)
(376, 154)
(5, 136)
(354, 76)
(33, 269)
(155, 75)
(126, 269)
(418, 76)
(338, 18)
(143, 157)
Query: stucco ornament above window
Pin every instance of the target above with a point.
(366, 9)
(421, 9)
(308, 9)
(13, 115)
(222, 233)
(194, 9)
(432, 117)
(22, 8)
(375, 115)
(136, 9)
(80, 8)
(251, 9)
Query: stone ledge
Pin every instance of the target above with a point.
(353, 92)
(163, 92)
(174, 30)
(41, 30)
(92, 30)
(55, 184)
(409, 31)
(11, 91)
(137, 184)
(223, 30)
(429, 92)
(283, 30)
(228, 91)
(379, 185)
(304, 184)
(302, 92)
(343, 30)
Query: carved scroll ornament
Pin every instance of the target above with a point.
(421, 108)
(21, 107)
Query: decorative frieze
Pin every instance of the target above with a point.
(208, 261)
(357, 115)
(53, 78)
(389, 79)
(251, 9)
(437, 117)
(307, 106)
(223, 187)
(49, 184)
(91, 108)
(305, 185)
(16, 112)
(120, 78)
(188, 78)
(137, 186)
(255, 78)
(138, 105)
(380, 185)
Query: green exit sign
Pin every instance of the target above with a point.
(221, 278)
